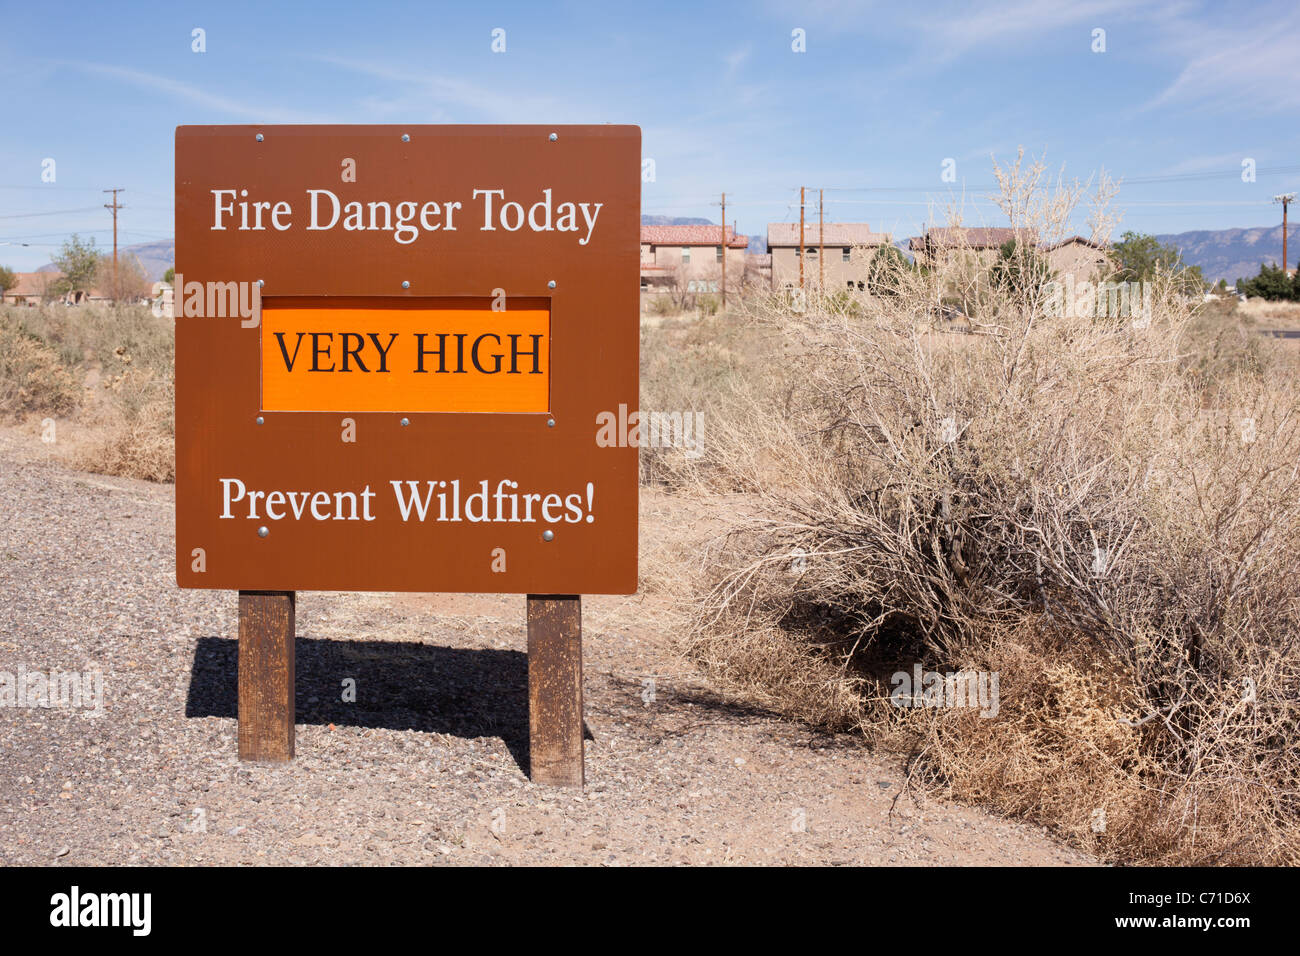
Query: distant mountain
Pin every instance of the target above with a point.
(1234, 254)
(155, 257)
(675, 221)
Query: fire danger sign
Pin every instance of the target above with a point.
(395, 346)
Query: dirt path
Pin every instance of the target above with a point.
(425, 766)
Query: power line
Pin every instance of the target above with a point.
(56, 212)
(1132, 181)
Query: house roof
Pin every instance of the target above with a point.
(31, 283)
(976, 237)
(1066, 242)
(35, 284)
(837, 234)
(690, 236)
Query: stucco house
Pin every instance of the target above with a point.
(843, 255)
(975, 245)
(1083, 259)
(688, 259)
(31, 288)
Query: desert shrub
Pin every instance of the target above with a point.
(93, 333)
(1074, 505)
(1222, 341)
(661, 305)
(134, 435)
(126, 424)
(33, 377)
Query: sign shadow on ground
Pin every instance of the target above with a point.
(428, 688)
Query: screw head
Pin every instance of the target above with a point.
(405, 422)
(406, 284)
(548, 535)
(550, 423)
(263, 531)
(406, 137)
(259, 137)
(554, 137)
(551, 284)
(260, 283)
(261, 420)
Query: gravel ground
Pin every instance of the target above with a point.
(425, 766)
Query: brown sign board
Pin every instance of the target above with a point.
(394, 347)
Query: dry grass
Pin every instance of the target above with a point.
(1104, 513)
(123, 418)
(33, 378)
(1270, 315)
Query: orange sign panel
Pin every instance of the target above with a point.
(376, 355)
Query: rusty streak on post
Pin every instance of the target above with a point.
(555, 689)
(266, 675)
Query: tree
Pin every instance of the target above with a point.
(1271, 283)
(128, 282)
(79, 263)
(8, 279)
(1020, 270)
(885, 270)
(1141, 256)
(170, 275)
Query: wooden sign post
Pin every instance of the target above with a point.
(395, 346)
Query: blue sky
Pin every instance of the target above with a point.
(882, 96)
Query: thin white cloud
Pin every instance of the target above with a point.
(953, 32)
(735, 60)
(192, 94)
(1235, 66)
(431, 91)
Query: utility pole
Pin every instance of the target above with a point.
(115, 207)
(821, 244)
(724, 252)
(1285, 199)
(801, 249)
